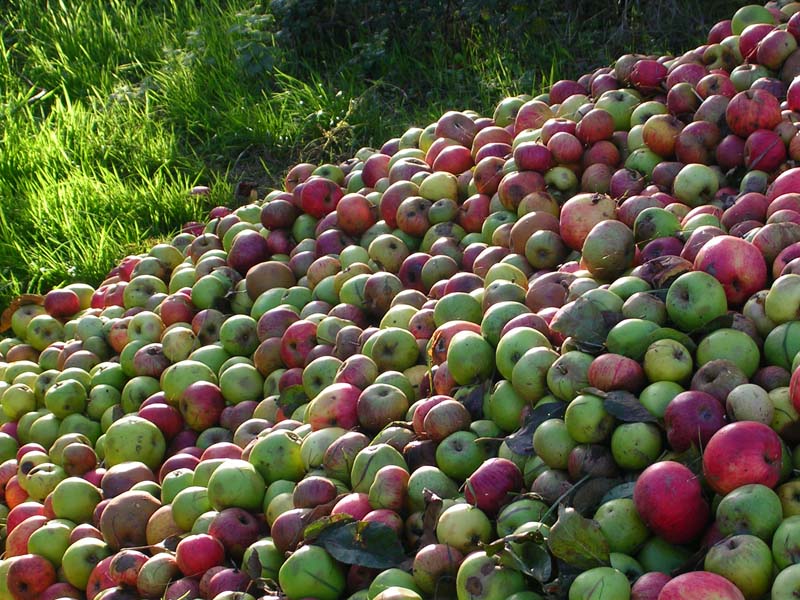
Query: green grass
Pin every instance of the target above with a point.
(111, 110)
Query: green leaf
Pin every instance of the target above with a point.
(521, 441)
(591, 494)
(582, 320)
(291, 398)
(317, 527)
(531, 559)
(578, 541)
(367, 544)
(623, 490)
(626, 407)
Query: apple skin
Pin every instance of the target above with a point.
(694, 299)
(29, 575)
(482, 572)
(669, 499)
(691, 418)
(751, 110)
(297, 582)
(490, 486)
(700, 585)
(601, 583)
(735, 263)
(648, 586)
(740, 453)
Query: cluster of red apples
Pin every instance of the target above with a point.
(551, 353)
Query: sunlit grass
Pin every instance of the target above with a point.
(110, 110)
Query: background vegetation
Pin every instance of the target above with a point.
(110, 110)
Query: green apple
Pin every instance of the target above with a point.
(695, 184)
(753, 509)
(744, 560)
(80, 558)
(470, 358)
(656, 554)
(51, 540)
(43, 479)
(496, 317)
(43, 330)
(656, 396)
(174, 482)
(635, 446)
(505, 406)
(464, 527)
(262, 560)
(519, 512)
(514, 344)
(553, 443)
(695, 299)
(494, 581)
(277, 455)
(311, 571)
(428, 478)
(188, 505)
(733, 345)
(667, 360)
(177, 377)
(587, 420)
(782, 302)
(16, 400)
(394, 349)
(621, 525)
(236, 483)
(787, 583)
(439, 185)
(134, 438)
(569, 374)
(75, 499)
(529, 374)
(750, 15)
(458, 455)
(457, 305)
(241, 382)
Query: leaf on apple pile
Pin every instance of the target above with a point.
(558, 589)
(472, 398)
(626, 407)
(291, 398)
(521, 441)
(367, 544)
(623, 490)
(661, 271)
(529, 554)
(578, 541)
(592, 493)
(433, 508)
(317, 526)
(5, 317)
(722, 322)
(582, 320)
(668, 333)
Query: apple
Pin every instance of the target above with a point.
(301, 574)
(29, 575)
(695, 299)
(80, 558)
(697, 585)
(669, 499)
(750, 509)
(757, 458)
(486, 574)
(692, 417)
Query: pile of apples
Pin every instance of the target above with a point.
(551, 353)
